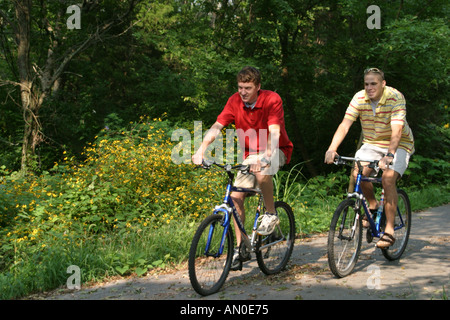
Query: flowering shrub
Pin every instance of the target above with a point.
(129, 177)
(126, 181)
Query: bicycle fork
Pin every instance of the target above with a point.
(228, 212)
(357, 210)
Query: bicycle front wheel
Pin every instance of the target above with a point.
(344, 239)
(402, 228)
(273, 251)
(208, 267)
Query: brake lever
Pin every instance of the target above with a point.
(246, 169)
(373, 165)
(338, 160)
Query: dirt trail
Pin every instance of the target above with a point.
(422, 273)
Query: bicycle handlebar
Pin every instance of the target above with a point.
(206, 164)
(373, 164)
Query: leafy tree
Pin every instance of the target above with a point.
(37, 37)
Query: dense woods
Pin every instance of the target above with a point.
(61, 85)
(90, 93)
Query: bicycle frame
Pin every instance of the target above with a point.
(228, 208)
(375, 226)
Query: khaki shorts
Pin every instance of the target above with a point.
(371, 152)
(277, 160)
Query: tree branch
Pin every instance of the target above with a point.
(53, 73)
(8, 21)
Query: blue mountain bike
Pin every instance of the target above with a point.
(345, 234)
(211, 251)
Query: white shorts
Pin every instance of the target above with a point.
(371, 152)
(277, 160)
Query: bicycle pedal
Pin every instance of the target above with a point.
(236, 266)
(369, 236)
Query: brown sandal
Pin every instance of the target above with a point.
(365, 220)
(389, 239)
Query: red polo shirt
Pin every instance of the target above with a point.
(253, 124)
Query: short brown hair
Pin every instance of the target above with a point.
(374, 70)
(249, 74)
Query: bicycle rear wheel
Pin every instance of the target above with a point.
(273, 251)
(208, 269)
(344, 239)
(402, 228)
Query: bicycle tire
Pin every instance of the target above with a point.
(401, 235)
(343, 250)
(208, 272)
(273, 259)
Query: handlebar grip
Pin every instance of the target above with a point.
(207, 163)
(373, 164)
(338, 160)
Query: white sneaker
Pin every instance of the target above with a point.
(267, 223)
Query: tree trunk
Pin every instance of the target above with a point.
(37, 83)
(28, 103)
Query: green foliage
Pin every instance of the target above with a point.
(127, 186)
(114, 203)
(127, 210)
(181, 57)
(424, 171)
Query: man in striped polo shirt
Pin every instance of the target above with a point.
(387, 137)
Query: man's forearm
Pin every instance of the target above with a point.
(274, 140)
(395, 138)
(212, 134)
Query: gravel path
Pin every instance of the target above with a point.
(422, 273)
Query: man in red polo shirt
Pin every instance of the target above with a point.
(259, 119)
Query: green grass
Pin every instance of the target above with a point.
(430, 196)
(135, 249)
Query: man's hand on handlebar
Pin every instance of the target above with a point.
(197, 158)
(330, 156)
(384, 163)
(260, 165)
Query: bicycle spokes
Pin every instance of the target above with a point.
(344, 238)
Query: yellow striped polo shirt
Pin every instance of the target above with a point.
(391, 109)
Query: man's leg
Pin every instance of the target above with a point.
(265, 182)
(368, 152)
(243, 181)
(390, 176)
(269, 219)
(238, 200)
(389, 181)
